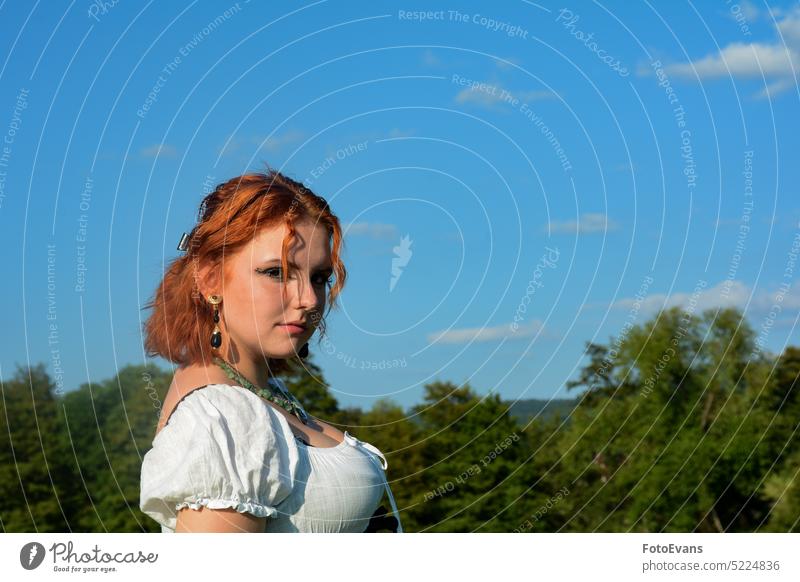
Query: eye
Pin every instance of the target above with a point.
(273, 272)
(323, 280)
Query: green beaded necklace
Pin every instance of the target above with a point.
(276, 392)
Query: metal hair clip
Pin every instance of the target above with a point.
(184, 244)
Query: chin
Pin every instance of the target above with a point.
(288, 348)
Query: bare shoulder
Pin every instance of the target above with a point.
(188, 377)
(185, 380)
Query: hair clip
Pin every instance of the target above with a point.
(183, 245)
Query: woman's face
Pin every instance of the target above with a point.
(254, 310)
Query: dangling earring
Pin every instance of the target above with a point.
(216, 335)
(303, 353)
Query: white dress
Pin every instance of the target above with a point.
(226, 447)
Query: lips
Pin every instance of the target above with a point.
(294, 327)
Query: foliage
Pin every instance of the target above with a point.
(680, 425)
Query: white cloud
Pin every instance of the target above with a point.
(486, 98)
(775, 88)
(743, 9)
(397, 132)
(778, 61)
(371, 229)
(728, 293)
(789, 300)
(489, 96)
(742, 60)
(159, 150)
(486, 334)
(789, 28)
(749, 10)
(587, 223)
(430, 59)
(277, 142)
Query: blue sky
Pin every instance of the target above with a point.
(526, 169)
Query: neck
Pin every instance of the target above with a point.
(255, 370)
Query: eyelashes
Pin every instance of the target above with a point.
(271, 273)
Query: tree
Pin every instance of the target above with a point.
(671, 440)
(37, 490)
(783, 488)
(307, 383)
(468, 446)
(112, 425)
(782, 415)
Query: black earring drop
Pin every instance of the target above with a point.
(216, 335)
(303, 353)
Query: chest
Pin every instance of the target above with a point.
(336, 490)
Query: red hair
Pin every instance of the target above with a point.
(180, 325)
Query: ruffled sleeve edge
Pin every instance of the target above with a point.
(253, 508)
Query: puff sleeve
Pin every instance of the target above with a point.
(223, 447)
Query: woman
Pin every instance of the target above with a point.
(234, 451)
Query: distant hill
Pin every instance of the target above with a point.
(524, 410)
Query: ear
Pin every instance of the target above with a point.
(208, 279)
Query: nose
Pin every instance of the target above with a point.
(306, 294)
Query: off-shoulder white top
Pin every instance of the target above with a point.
(226, 447)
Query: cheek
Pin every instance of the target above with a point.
(250, 304)
(270, 298)
(266, 304)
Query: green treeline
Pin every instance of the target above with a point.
(681, 424)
